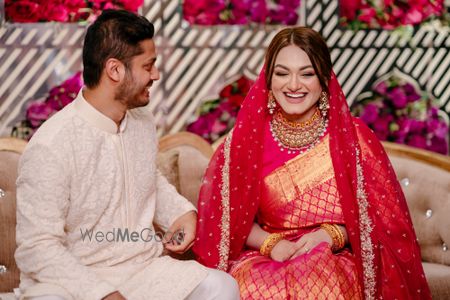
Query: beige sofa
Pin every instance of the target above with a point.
(183, 157)
(425, 180)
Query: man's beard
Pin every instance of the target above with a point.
(130, 94)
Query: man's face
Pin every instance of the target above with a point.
(134, 89)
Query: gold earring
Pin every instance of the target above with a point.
(324, 103)
(271, 104)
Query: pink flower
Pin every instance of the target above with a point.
(414, 16)
(367, 15)
(23, 11)
(132, 5)
(38, 112)
(348, 8)
(52, 12)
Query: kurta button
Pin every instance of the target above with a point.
(2, 193)
(429, 213)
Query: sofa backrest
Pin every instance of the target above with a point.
(10, 150)
(183, 158)
(425, 180)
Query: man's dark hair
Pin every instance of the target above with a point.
(115, 34)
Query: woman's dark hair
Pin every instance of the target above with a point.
(115, 34)
(309, 41)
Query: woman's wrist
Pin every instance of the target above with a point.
(336, 234)
(269, 243)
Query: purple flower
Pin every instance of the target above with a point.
(438, 128)
(38, 112)
(433, 112)
(381, 88)
(410, 92)
(258, 11)
(381, 126)
(416, 126)
(370, 113)
(398, 97)
(418, 141)
(439, 145)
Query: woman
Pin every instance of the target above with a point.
(300, 201)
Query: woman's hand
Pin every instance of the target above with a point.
(310, 241)
(283, 250)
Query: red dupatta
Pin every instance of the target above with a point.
(374, 207)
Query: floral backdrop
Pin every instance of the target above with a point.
(30, 11)
(39, 110)
(217, 116)
(216, 12)
(398, 111)
(390, 14)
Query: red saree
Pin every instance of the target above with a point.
(384, 261)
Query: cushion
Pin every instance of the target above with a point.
(427, 190)
(183, 166)
(438, 277)
(167, 163)
(8, 174)
(192, 165)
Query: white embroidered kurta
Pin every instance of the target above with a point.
(79, 174)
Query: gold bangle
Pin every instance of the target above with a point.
(270, 242)
(336, 234)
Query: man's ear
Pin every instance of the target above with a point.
(114, 70)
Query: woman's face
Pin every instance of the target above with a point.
(295, 84)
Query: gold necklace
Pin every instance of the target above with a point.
(297, 136)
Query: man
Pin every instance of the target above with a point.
(88, 189)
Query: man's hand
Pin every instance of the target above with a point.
(115, 296)
(180, 236)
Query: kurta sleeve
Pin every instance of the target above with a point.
(42, 204)
(169, 203)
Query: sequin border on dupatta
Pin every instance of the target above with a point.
(366, 227)
(224, 246)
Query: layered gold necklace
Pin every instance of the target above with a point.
(297, 136)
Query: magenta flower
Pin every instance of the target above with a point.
(216, 12)
(219, 115)
(381, 88)
(370, 113)
(30, 11)
(38, 112)
(397, 111)
(418, 141)
(398, 97)
(439, 145)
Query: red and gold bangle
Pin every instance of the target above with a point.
(270, 242)
(336, 234)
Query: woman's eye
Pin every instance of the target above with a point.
(280, 74)
(308, 74)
